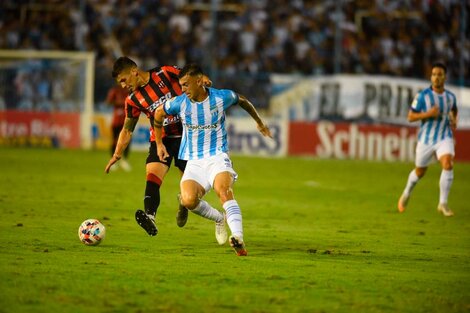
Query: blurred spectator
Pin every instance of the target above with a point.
(393, 37)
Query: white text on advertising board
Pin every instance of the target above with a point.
(367, 144)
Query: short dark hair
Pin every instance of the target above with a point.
(121, 64)
(191, 69)
(440, 65)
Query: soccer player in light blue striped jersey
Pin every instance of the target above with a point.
(436, 108)
(204, 145)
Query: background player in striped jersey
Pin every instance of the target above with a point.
(116, 98)
(148, 90)
(436, 108)
(204, 145)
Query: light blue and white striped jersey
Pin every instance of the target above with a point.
(433, 130)
(204, 133)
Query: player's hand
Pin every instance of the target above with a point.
(434, 111)
(113, 160)
(161, 152)
(264, 129)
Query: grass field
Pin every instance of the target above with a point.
(322, 236)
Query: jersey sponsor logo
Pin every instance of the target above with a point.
(198, 127)
(159, 102)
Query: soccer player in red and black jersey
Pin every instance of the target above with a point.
(147, 91)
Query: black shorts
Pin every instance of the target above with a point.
(172, 147)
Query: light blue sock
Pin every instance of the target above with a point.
(205, 210)
(234, 218)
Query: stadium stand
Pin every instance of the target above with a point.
(253, 38)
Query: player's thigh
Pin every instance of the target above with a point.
(172, 145)
(180, 164)
(424, 154)
(196, 172)
(154, 164)
(152, 156)
(156, 168)
(445, 147)
(445, 154)
(220, 164)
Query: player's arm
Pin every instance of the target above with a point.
(418, 109)
(158, 118)
(453, 118)
(124, 139)
(417, 116)
(125, 135)
(246, 105)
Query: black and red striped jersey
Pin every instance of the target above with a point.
(163, 85)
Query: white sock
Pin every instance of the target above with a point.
(205, 210)
(234, 218)
(411, 183)
(445, 182)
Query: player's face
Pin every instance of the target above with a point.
(438, 78)
(191, 86)
(128, 79)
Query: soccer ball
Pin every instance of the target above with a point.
(91, 232)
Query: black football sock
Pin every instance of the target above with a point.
(152, 194)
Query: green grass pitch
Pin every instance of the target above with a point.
(322, 236)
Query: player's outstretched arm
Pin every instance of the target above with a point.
(158, 118)
(250, 108)
(124, 139)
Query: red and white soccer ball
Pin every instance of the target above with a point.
(91, 232)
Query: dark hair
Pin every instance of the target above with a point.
(191, 69)
(121, 64)
(440, 65)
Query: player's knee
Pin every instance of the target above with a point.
(420, 171)
(447, 165)
(189, 201)
(225, 194)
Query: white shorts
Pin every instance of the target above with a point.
(204, 171)
(425, 153)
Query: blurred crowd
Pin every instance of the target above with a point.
(253, 37)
